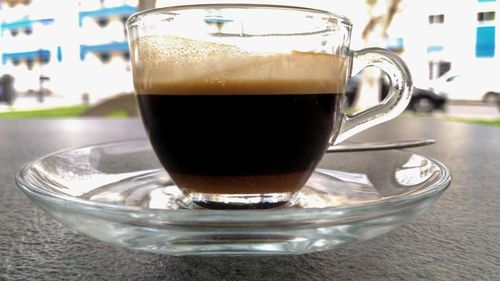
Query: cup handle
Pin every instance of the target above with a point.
(394, 104)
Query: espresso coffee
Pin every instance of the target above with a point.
(229, 121)
(240, 143)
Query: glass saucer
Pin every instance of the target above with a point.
(118, 193)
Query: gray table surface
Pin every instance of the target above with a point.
(457, 239)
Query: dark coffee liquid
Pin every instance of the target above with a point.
(237, 144)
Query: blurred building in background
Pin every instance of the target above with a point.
(76, 50)
(450, 36)
(456, 39)
(72, 50)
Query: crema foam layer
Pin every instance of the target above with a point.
(168, 65)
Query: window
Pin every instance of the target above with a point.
(485, 16)
(29, 63)
(437, 69)
(436, 19)
(105, 57)
(43, 59)
(27, 31)
(102, 22)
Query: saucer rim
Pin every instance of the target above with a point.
(387, 204)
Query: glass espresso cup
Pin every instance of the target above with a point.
(240, 102)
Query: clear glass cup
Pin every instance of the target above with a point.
(240, 102)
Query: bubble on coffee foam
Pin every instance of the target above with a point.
(174, 65)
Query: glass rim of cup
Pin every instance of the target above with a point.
(134, 17)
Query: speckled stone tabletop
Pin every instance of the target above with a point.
(457, 239)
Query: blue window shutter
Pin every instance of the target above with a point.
(435, 49)
(485, 42)
(59, 54)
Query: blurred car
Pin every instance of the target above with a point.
(426, 101)
(467, 87)
(422, 100)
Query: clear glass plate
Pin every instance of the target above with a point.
(118, 193)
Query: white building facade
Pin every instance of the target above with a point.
(81, 45)
(448, 35)
(75, 49)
